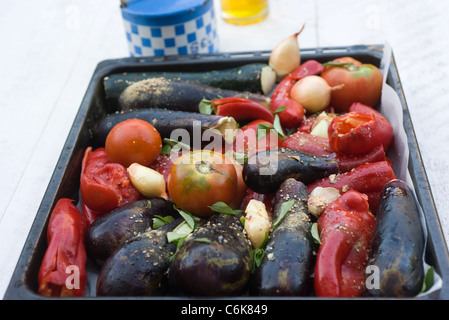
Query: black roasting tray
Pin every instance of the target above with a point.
(65, 179)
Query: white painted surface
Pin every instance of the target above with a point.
(50, 49)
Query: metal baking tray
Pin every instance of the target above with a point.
(64, 181)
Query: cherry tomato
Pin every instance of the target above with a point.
(201, 178)
(133, 140)
(362, 83)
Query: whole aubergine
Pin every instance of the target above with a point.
(139, 266)
(398, 245)
(215, 260)
(111, 230)
(288, 263)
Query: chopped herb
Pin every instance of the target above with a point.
(203, 240)
(205, 107)
(159, 221)
(428, 280)
(285, 207)
(315, 233)
(223, 208)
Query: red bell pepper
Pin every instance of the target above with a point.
(293, 113)
(309, 143)
(345, 228)
(368, 179)
(104, 185)
(358, 133)
(241, 109)
(362, 108)
(63, 269)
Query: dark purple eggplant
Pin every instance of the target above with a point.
(266, 170)
(398, 245)
(139, 266)
(288, 263)
(175, 94)
(111, 230)
(166, 121)
(215, 260)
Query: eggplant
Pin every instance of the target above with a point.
(175, 94)
(398, 245)
(214, 260)
(266, 170)
(111, 230)
(252, 77)
(166, 121)
(139, 266)
(289, 260)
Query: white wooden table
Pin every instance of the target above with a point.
(50, 48)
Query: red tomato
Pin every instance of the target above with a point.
(362, 83)
(201, 178)
(133, 140)
(248, 141)
(104, 185)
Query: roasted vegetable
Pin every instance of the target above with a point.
(166, 121)
(215, 260)
(398, 244)
(266, 170)
(345, 227)
(111, 230)
(139, 266)
(288, 263)
(253, 77)
(175, 94)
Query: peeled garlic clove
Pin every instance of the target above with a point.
(257, 222)
(147, 181)
(320, 198)
(286, 56)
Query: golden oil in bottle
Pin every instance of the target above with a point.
(244, 11)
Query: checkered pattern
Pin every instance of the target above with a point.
(198, 35)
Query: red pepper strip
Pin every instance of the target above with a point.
(242, 109)
(310, 67)
(104, 185)
(309, 143)
(358, 133)
(346, 228)
(63, 269)
(347, 163)
(368, 179)
(90, 214)
(362, 108)
(293, 114)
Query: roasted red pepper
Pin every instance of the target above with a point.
(241, 109)
(363, 108)
(63, 269)
(309, 143)
(345, 228)
(293, 113)
(104, 185)
(368, 179)
(358, 133)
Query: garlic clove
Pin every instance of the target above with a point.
(257, 222)
(286, 55)
(147, 181)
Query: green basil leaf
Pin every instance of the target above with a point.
(258, 255)
(315, 233)
(278, 127)
(428, 280)
(279, 110)
(159, 221)
(285, 207)
(187, 216)
(203, 240)
(262, 130)
(223, 208)
(205, 107)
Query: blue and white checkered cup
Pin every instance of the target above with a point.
(170, 27)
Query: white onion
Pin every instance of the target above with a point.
(313, 93)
